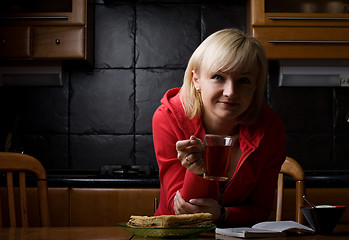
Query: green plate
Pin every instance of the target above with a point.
(166, 232)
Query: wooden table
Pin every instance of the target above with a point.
(115, 233)
(64, 233)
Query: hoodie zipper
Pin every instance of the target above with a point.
(223, 187)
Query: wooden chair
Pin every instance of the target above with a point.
(292, 168)
(21, 163)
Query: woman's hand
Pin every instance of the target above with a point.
(190, 153)
(207, 205)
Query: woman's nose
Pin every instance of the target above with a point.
(228, 89)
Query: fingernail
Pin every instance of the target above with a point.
(192, 201)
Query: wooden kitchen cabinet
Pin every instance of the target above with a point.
(45, 12)
(15, 42)
(77, 207)
(58, 42)
(58, 201)
(110, 206)
(49, 30)
(295, 30)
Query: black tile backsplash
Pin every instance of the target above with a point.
(114, 36)
(216, 16)
(102, 102)
(313, 151)
(299, 104)
(166, 34)
(341, 112)
(89, 152)
(51, 149)
(151, 85)
(103, 116)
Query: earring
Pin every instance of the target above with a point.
(198, 90)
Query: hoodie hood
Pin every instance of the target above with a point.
(172, 101)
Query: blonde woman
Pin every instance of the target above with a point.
(222, 93)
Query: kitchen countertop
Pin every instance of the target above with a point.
(90, 181)
(95, 180)
(313, 180)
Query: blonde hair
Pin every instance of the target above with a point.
(226, 50)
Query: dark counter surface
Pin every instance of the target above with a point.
(322, 180)
(101, 182)
(313, 180)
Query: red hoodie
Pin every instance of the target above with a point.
(249, 195)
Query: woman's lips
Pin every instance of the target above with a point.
(228, 104)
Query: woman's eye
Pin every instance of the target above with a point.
(217, 77)
(244, 80)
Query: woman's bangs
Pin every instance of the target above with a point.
(246, 58)
(220, 61)
(229, 59)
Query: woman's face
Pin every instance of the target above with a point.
(225, 95)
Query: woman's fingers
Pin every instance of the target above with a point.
(194, 163)
(185, 148)
(180, 206)
(189, 145)
(209, 205)
(179, 202)
(189, 152)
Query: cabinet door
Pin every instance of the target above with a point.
(44, 12)
(59, 42)
(304, 42)
(110, 206)
(14, 42)
(293, 13)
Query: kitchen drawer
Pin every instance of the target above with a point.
(14, 42)
(59, 43)
(304, 42)
(110, 206)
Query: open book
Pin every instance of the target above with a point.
(266, 229)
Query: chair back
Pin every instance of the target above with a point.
(292, 168)
(11, 163)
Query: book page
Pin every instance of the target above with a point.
(281, 226)
(246, 229)
(246, 232)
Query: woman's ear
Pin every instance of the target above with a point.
(195, 79)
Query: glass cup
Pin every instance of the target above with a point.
(217, 156)
(337, 7)
(309, 7)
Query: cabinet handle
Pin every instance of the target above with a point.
(36, 18)
(308, 18)
(309, 41)
(58, 41)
